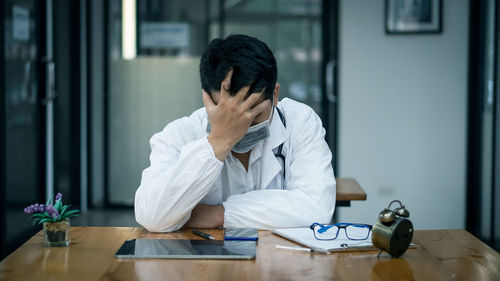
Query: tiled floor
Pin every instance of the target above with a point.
(106, 217)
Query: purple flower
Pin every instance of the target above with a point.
(41, 213)
(35, 208)
(28, 210)
(40, 208)
(52, 211)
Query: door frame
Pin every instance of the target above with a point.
(476, 106)
(329, 75)
(3, 209)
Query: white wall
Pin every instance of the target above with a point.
(402, 120)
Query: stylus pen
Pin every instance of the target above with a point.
(294, 248)
(203, 234)
(301, 249)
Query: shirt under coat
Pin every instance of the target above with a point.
(184, 171)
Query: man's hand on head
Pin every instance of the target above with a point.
(206, 216)
(231, 117)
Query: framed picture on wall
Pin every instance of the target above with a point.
(413, 16)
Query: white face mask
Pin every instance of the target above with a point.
(254, 134)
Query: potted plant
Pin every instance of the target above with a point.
(55, 220)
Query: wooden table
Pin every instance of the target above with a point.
(442, 255)
(348, 189)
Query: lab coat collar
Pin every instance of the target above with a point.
(277, 136)
(277, 132)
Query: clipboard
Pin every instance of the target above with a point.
(305, 237)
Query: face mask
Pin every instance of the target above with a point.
(254, 134)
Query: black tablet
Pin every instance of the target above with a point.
(187, 249)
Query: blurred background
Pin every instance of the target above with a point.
(410, 110)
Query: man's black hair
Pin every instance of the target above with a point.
(252, 61)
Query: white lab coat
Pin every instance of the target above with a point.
(184, 172)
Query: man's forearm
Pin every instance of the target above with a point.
(206, 216)
(189, 177)
(274, 208)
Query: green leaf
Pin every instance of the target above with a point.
(70, 214)
(64, 210)
(58, 206)
(46, 220)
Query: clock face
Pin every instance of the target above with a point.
(402, 233)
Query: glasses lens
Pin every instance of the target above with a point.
(357, 232)
(325, 231)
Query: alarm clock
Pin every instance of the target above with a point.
(393, 230)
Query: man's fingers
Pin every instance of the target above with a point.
(207, 100)
(226, 84)
(252, 100)
(241, 94)
(261, 107)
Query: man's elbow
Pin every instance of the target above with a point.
(154, 225)
(158, 228)
(148, 224)
(154, 222)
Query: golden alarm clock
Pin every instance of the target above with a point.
(393, 231)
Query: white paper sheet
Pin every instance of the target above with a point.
(305, 237)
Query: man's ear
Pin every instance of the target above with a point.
(276, 94)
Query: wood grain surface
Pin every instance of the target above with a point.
(441, 255)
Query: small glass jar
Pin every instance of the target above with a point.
(56, 234)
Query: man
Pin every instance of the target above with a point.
(244, 159)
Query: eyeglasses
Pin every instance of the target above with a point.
(331, 231)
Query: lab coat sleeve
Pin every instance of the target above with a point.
(180, 174)
(310, 189)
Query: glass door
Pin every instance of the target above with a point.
(302, 36)
(154, 50)
(24, 123)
